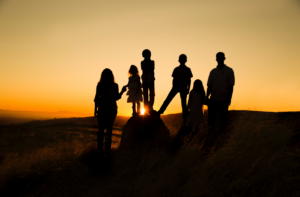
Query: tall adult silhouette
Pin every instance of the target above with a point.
(220, 88)
(107, 93)
(147, 66)
(181, 84)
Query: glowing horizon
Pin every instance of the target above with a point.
(54, 52)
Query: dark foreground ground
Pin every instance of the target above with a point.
(258, 155)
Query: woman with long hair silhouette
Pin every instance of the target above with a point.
(107, 93)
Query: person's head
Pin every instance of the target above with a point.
(198, 86)
(182, 59)
(133, 70)
(220, 57)
(146, 54)
(107, 76)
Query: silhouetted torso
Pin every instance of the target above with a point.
(107, 95)
(196, 111)
(181, 74)
(220, 79)
(148, 71)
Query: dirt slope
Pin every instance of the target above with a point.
(258, 155)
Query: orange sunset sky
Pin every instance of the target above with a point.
(53, 52)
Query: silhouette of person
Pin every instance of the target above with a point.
(181, 84)
(134, 90)
(195, 105)
(107, 93)
(147, 66)
(220, 88)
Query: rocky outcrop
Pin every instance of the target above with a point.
(145, 133)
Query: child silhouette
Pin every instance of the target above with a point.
(181, 84)
(195, 106)
(147, 66)
(134, 90)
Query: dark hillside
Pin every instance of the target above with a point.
(258, 155)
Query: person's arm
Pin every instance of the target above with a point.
(126, 86)
(153, 65)
(174, 75)
(95, 111)
(189, 82)
(189, 85)
(96, 100)
(208, 92)
(231, 83)
(189, 102)
(209, 83)
(142, 66)
(119, 95)
(230, 91)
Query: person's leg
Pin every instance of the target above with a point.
(133, 108)
(152, 94)
(100, 134)
(184, 107)
(212, 115)
(111, 116)
(195, 132)
(145, 94)
(138, 108)
(223, 109)
(169, 98)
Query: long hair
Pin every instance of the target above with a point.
(107, 76)
(133, 71)
(198, 87)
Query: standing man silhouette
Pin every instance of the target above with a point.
(220, 88)
(181, 83)
(147, 66)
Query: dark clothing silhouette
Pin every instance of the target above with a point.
(220, 86)
(182, 78)
(105, 121)
(181, 84)
(147, 67)
(170, 97)
(148, 87)
(106, 111)
(106, 96)
(215, 108)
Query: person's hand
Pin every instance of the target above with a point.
(124, 89)
(95, 113)
(206, 102)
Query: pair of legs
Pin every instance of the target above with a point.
(215, 108)
(189, 131)
(106, 121)
(148, 88)
(169, 98)
(136, 108)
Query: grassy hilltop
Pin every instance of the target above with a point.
(258, 155)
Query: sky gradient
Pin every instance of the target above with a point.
(53, 52)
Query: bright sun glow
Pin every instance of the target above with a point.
(142, 111)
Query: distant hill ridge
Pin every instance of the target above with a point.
(10, 116)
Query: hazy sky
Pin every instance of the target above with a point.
(53, 52)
